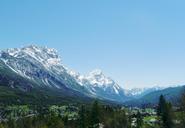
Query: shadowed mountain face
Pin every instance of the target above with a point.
(34, 74)
(29, 68)
(17, 89)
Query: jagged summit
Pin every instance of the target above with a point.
(47, 56)
(43, 65)
(96, 72)
(32, 48)
(97, 78)
(34, 67)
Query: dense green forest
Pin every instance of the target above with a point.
(95, 115)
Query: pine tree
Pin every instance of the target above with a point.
(165, 113)
(139, 120)
(183, 110)
(167, 116)
(161, 105)
(121, 119)
(65, 120)
(95, 115)
(11, 123)
(82, 117)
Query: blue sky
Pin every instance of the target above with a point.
(137, 43)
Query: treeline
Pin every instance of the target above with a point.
(168, 117)
(97, 116)
(103, 116)
(93, 116)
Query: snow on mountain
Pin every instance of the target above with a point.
(79, 78)
(48, 57)
(139, 92)
(40, 64)
(100, 85)
(43, 65)
(97, 78)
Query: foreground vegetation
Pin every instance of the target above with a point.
(93, 116)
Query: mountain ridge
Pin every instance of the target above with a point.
(43, 65)
(34, 67)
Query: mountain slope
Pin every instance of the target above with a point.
(172, 94)
(35, 73)
(39, 64)
(16, 89)
(37, 68)
(101, 86)
(140, 92)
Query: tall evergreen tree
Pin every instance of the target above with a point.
(183, 110)
(167, 116)
(165, 113)
(82, 117)
(139, 120)
(95, 115)
(121, 119)
(161, 105)
(65, 120)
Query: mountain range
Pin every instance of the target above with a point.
(37, 75)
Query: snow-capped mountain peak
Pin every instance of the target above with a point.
(138, 92)
(43, 65)
(78, 77)
(99, 84)
(96, 72)
(97, 78)
(48, 57)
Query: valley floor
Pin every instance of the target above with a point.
(83, 116)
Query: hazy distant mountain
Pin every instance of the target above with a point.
(172, 94)
(139, 92)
